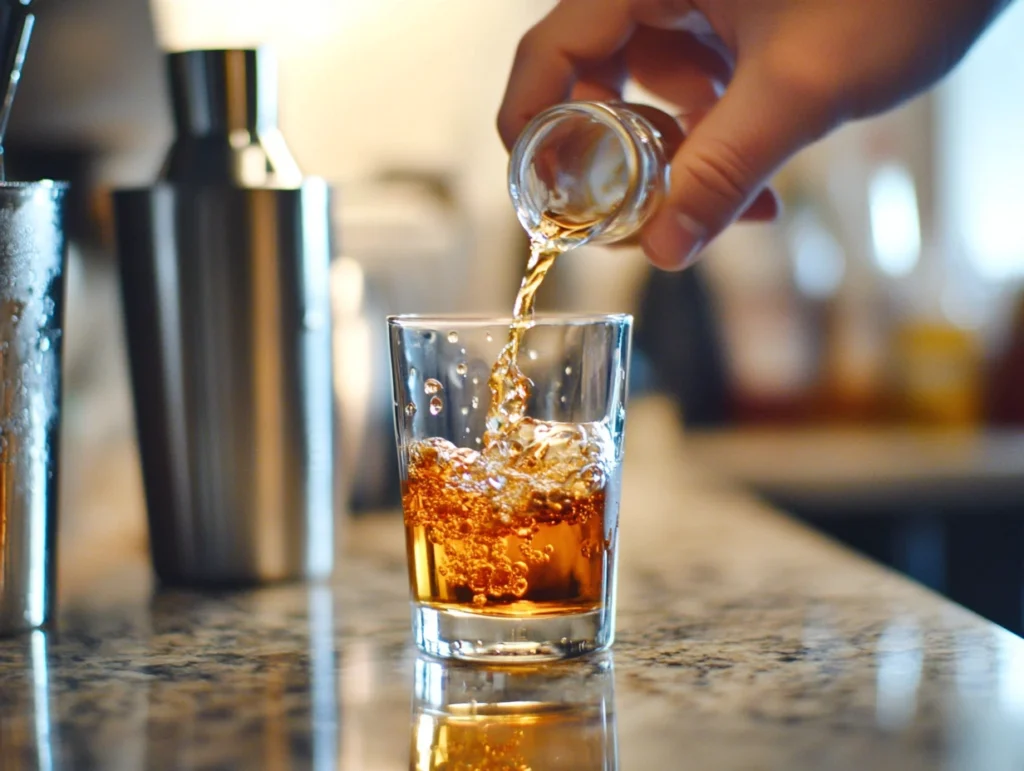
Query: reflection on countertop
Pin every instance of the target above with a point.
(745, 641)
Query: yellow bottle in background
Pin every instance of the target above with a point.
(937, 370)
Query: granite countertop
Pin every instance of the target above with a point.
(745, 641)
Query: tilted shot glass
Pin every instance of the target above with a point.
(511, 534)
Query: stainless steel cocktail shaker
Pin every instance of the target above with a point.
(225, 267)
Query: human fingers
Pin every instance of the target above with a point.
(721, 169)
(677, 66)
(601, 82)
(680, 69)
(575, 37)
(766, 205)
(552, 55)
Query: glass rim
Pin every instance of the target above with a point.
(480, 321)
(537, 130)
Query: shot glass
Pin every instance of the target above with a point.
(511, 530)
(559, 717)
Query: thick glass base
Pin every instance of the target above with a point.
(454, 634)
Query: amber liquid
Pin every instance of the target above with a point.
(512, 737)
(461, 558)
(537, 542)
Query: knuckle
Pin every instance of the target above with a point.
(528, 44)
(722, 172)
(818, 93)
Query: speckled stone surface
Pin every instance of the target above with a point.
(745, 642)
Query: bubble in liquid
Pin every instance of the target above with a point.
(44, 344)
(461, 368)
(412, 372)
(410, 409)
(532, 354)
(562, 399)
(432, 386)
(436, 405)
(477, 440)
(476, 381)
(475, 402)
(489, 338)
(468, 429)
(464, 411)
(453, 337)
(568, 370)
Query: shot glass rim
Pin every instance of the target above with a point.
(429, 321)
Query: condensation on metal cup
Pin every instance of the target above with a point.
(32, 261)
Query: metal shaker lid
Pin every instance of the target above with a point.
(15, 31)
(225, 112)
(216, 92)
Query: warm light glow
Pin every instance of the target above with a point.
(965, 305)
(818, 259)
(424, 734)
(982, 120)
(895, 221)
(196, 24)
(352, 342)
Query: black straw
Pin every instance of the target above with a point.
(15, 32)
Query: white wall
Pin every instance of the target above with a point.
(416, 84)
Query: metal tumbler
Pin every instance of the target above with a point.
(32, 260)
(227, 315)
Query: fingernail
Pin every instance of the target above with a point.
(674, 240)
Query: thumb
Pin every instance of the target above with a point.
(726, 161)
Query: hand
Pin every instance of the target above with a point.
(755, 80)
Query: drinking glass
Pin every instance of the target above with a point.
(512, 545)
(555, 717)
